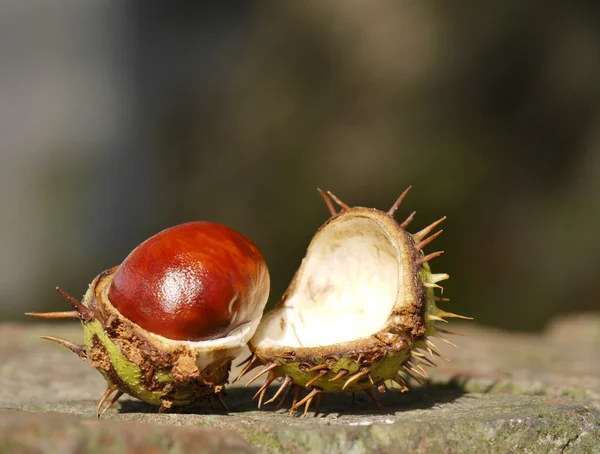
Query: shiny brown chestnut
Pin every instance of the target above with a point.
(195, 281)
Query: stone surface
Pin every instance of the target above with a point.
(500, 393)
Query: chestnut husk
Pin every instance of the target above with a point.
(144, 365)
(386, 357)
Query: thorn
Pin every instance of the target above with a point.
(210, 402)
(428, 257)
(263, 389)
(435, 318)
(319, 367)
(339, 375)
(285, 394)
(262, 395)
(222, 402)
(421, 244)
(286, 382)
(161, 409)
(396, 205)
(408, 220)
(251, 365)
(67, 314)
(435, 278)
(246, 360)
(307, 406)
(267, 368)
(112, 401)
(79, 350)
(416, 378)
(443, 339)
(423, 233)
(442, 313)
(354, 378)
(431, 345)
(400, 381)
(422, 357)
(428, 361)
(439, 355)
(321, 374)
(432, 285)
(85, 312)
(338, 201)
(371, 380)
(105, 396)
(307, 398)
(327, 202)
(270, 378)
(418, 366)
(417, 371)
(439, 298)
(297, 391)
(318, 403)
(371, 394)
(452, 333)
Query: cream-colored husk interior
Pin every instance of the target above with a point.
(346, 287)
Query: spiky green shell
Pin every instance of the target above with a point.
(125, 375)
(149, 367)
(370, 360)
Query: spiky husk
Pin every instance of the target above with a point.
(392, 354)
(144, 365)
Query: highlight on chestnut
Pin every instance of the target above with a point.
(165, 325)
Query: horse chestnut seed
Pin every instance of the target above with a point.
(165, 325)
(196, 281)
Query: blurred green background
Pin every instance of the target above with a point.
(119, 119)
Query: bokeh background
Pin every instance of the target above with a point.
(118, 119)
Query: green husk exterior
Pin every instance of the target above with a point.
(125, 375)
(150, 368)
(379, 371)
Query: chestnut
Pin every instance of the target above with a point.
(198, 281)
(165, 325)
